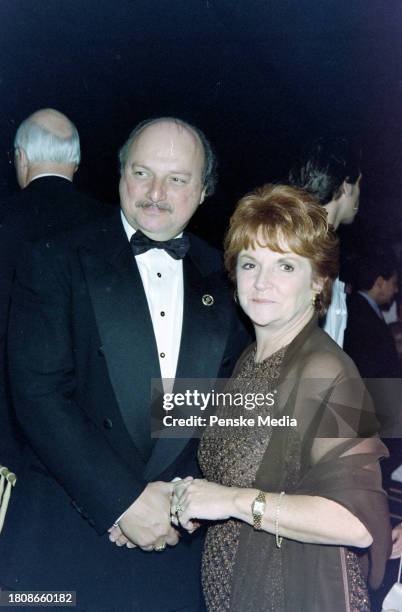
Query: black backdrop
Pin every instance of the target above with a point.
(261, 77)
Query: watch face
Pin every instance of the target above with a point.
(259, 507)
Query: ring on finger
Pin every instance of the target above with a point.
(160, 547)
(179, 508)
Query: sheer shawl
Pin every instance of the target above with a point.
(337, 450)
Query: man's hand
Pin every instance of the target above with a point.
(117, 537)
(396, 542)
(146, 523)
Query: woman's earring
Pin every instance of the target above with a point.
(316, 301)
(236, 296)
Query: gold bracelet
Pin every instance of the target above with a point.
(278, 538)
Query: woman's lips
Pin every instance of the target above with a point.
(262, 301)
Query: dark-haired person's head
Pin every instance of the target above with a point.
(281, 254)
(377, 276)
(329, 170)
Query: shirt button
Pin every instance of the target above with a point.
(162, 314)
(162, 355)
(159, 275)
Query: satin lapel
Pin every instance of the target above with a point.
(203, 341)
(126, 332)
(205, 327)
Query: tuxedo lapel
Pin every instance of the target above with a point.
(125, 328)
(202, 322)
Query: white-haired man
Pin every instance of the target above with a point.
(47, 154)
(46, 144)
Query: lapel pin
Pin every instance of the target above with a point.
(207, 300)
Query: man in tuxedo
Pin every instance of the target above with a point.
(97, 313)
(47, 155)
(329, 169)
(368, 339)
(371, 345)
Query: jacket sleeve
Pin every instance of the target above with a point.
(43, 380)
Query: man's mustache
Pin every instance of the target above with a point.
(159, 205)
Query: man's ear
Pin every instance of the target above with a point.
(21, 157)
(21, 166)
(379, 282)
(347, 188)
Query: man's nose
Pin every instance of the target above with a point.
(156, 191)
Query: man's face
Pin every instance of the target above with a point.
(350, 201)
(161, 186)
(388, 290)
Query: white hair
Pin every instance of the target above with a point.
(41, 145)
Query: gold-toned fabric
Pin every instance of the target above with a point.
(233, 460)
(358, 594)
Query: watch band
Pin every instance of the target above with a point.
(258, 509)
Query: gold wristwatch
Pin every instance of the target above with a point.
(258, 509)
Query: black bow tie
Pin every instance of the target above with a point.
(176, 247)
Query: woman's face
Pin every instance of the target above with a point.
(274, 289)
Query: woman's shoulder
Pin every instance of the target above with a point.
(322, 357)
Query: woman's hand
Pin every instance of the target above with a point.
(200, 499)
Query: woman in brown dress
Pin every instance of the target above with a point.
(300, 518)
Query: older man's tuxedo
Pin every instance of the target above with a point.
(82, 355)
(48, 205)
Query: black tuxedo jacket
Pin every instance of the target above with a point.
(82, 355)
(46, 206)
(368, 340)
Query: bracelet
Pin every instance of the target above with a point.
(278, 538)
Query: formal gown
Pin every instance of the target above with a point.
(233, 459)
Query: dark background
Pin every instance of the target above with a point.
(260, 77)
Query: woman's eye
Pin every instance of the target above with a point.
(247, 266)
(287, 267)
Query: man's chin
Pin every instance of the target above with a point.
(349, 220)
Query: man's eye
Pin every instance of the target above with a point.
(178, 179)
(139, 173)
(287, 267)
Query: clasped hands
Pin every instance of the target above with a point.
(146, 523)
(150, 522)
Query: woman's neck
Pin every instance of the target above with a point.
(270, 339)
